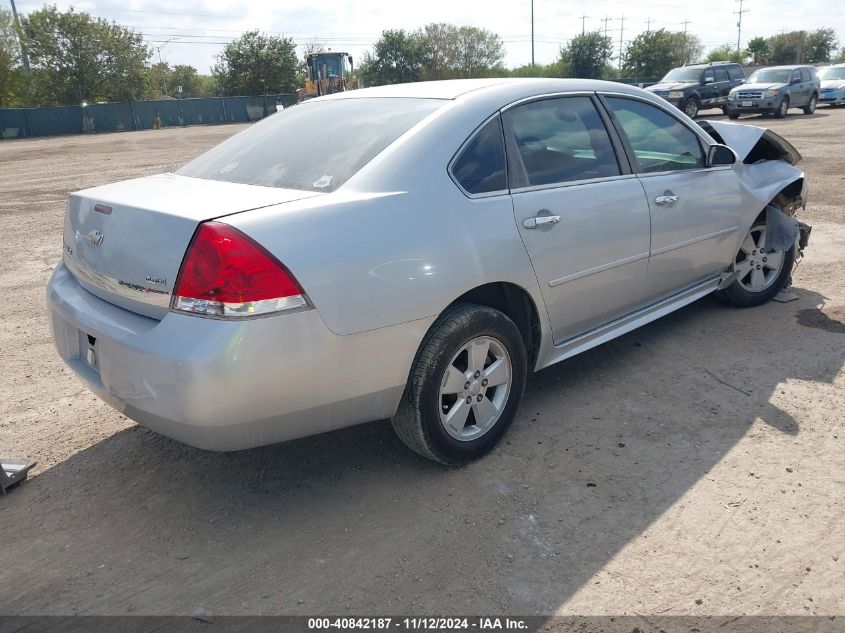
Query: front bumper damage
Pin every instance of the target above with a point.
(772, 183)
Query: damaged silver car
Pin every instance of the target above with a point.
(412, 252)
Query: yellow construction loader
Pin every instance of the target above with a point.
(326, 73)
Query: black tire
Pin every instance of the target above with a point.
(417, 422)
(745, 298)
(782, 109)
(725, 110)
(733, 115)
(691, 106)
(811, 107)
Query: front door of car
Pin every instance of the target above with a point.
(582, 216)
(695, 210)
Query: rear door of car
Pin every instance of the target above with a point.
(694, 209)
(798, 89)
(722, 85)
(736, 75)
(582, 215)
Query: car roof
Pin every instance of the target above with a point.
(506, 87)
(786, 67)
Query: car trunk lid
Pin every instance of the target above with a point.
(125, 242)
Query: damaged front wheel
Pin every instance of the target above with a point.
(761, 272)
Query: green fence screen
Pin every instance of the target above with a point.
(137, 115)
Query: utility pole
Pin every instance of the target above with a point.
(648, 25)
(686, 42)
(606, 19)
(583, 22)
(532, 33)
(621, 32)
(739, 23)
(24, 56)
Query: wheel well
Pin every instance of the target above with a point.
(789, 199)
(515, 302)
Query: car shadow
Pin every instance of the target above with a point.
(351, 522)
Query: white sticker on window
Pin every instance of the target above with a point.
(323, 181)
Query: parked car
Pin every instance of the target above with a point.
(772, 91)
(411, 252)
(832, 84)
(699, 86)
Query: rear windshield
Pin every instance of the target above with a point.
(770, 76)
(316, 146)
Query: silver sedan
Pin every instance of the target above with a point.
(412, 252)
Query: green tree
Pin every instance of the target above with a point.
(477, 52)
(840, 57)
(559, 68)
(255, 63)
(820, 46)
(441, 43)
(11, 76)
(187, 77)
(758, 50)
(725, 53)
(398, 56)
(587, 55)
(75, 58)
(653, 53)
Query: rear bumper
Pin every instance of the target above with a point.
(229, 385)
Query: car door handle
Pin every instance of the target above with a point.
(666, 200)
(540, 220)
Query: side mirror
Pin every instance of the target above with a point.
(720, 155)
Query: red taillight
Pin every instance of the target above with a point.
(226, 273)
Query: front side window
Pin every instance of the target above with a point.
(660, 142)
(708, 76)
(560, 140)
(314, 146)
(481, 166)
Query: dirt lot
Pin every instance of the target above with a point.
(692, 467)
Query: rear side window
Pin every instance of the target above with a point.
(805, 75)
(660, 141)
(721, 74)
(481, 166)
(560, 140)
(314, 146)
(735, 72)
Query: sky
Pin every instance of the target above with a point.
(194, 31)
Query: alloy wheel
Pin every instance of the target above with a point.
(474, 389)
(758, 267)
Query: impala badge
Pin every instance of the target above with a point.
(95, 238)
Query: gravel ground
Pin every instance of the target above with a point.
(691, 467)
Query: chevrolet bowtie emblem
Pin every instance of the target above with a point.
(95, 238)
